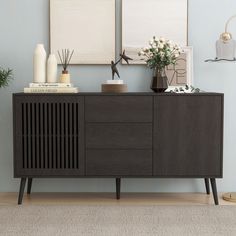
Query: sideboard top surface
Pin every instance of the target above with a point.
(120, 94)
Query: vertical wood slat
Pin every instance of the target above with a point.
(63, 135)
(54, 105)
(37, 138)
(42, 136)
(53, 160)
(66, 136)
(46, 136)
(77, 136)
(58, 135)
(33, 135)
(74, 135)
(50, 135)
(71, 135)
(29, 126)
(28, 139)
(24, 136)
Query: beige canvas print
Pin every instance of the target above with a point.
(143, 19)
(87, 26)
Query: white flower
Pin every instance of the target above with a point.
(160, 51)
(151, 42)
(162, 40)
(176, 47)
(141, 53)
(171, 48)
(151, 54)
(160, 45)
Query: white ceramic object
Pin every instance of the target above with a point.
(225, 50)
(115, 81)
(52, 69)
(65, 78)
(39, 63)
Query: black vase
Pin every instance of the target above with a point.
(159, 81)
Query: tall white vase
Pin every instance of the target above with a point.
(52, 69)
(40, 64)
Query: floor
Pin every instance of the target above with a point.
(147, 199)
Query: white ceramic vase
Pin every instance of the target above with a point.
(52, 69)
(39, 64)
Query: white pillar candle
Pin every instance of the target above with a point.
(52, 69)
(39, 64)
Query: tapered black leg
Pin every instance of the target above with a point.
(21, 192)
(29, 185)
(207, 186)
(214, 190)
(117, 188)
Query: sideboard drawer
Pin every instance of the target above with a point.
(118, 108)
(117, 135)
(119, 162)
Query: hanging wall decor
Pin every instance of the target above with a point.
(141, 19)
(87, 26)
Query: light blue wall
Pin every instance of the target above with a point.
(25, 23)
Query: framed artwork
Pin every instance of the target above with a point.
(85, 26)
(181, 74)
(143, 19)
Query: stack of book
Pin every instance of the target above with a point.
(51, 88)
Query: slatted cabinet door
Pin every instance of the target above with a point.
(48, 135)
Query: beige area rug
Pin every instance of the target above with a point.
(67, 220)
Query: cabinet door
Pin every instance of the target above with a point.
(188, 134)
(48, 135)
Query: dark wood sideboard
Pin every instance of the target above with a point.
(143, 135)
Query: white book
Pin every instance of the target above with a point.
(51, 90)
(50, 85)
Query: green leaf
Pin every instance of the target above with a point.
(5, 77)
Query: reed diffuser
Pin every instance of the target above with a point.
(65, 57)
